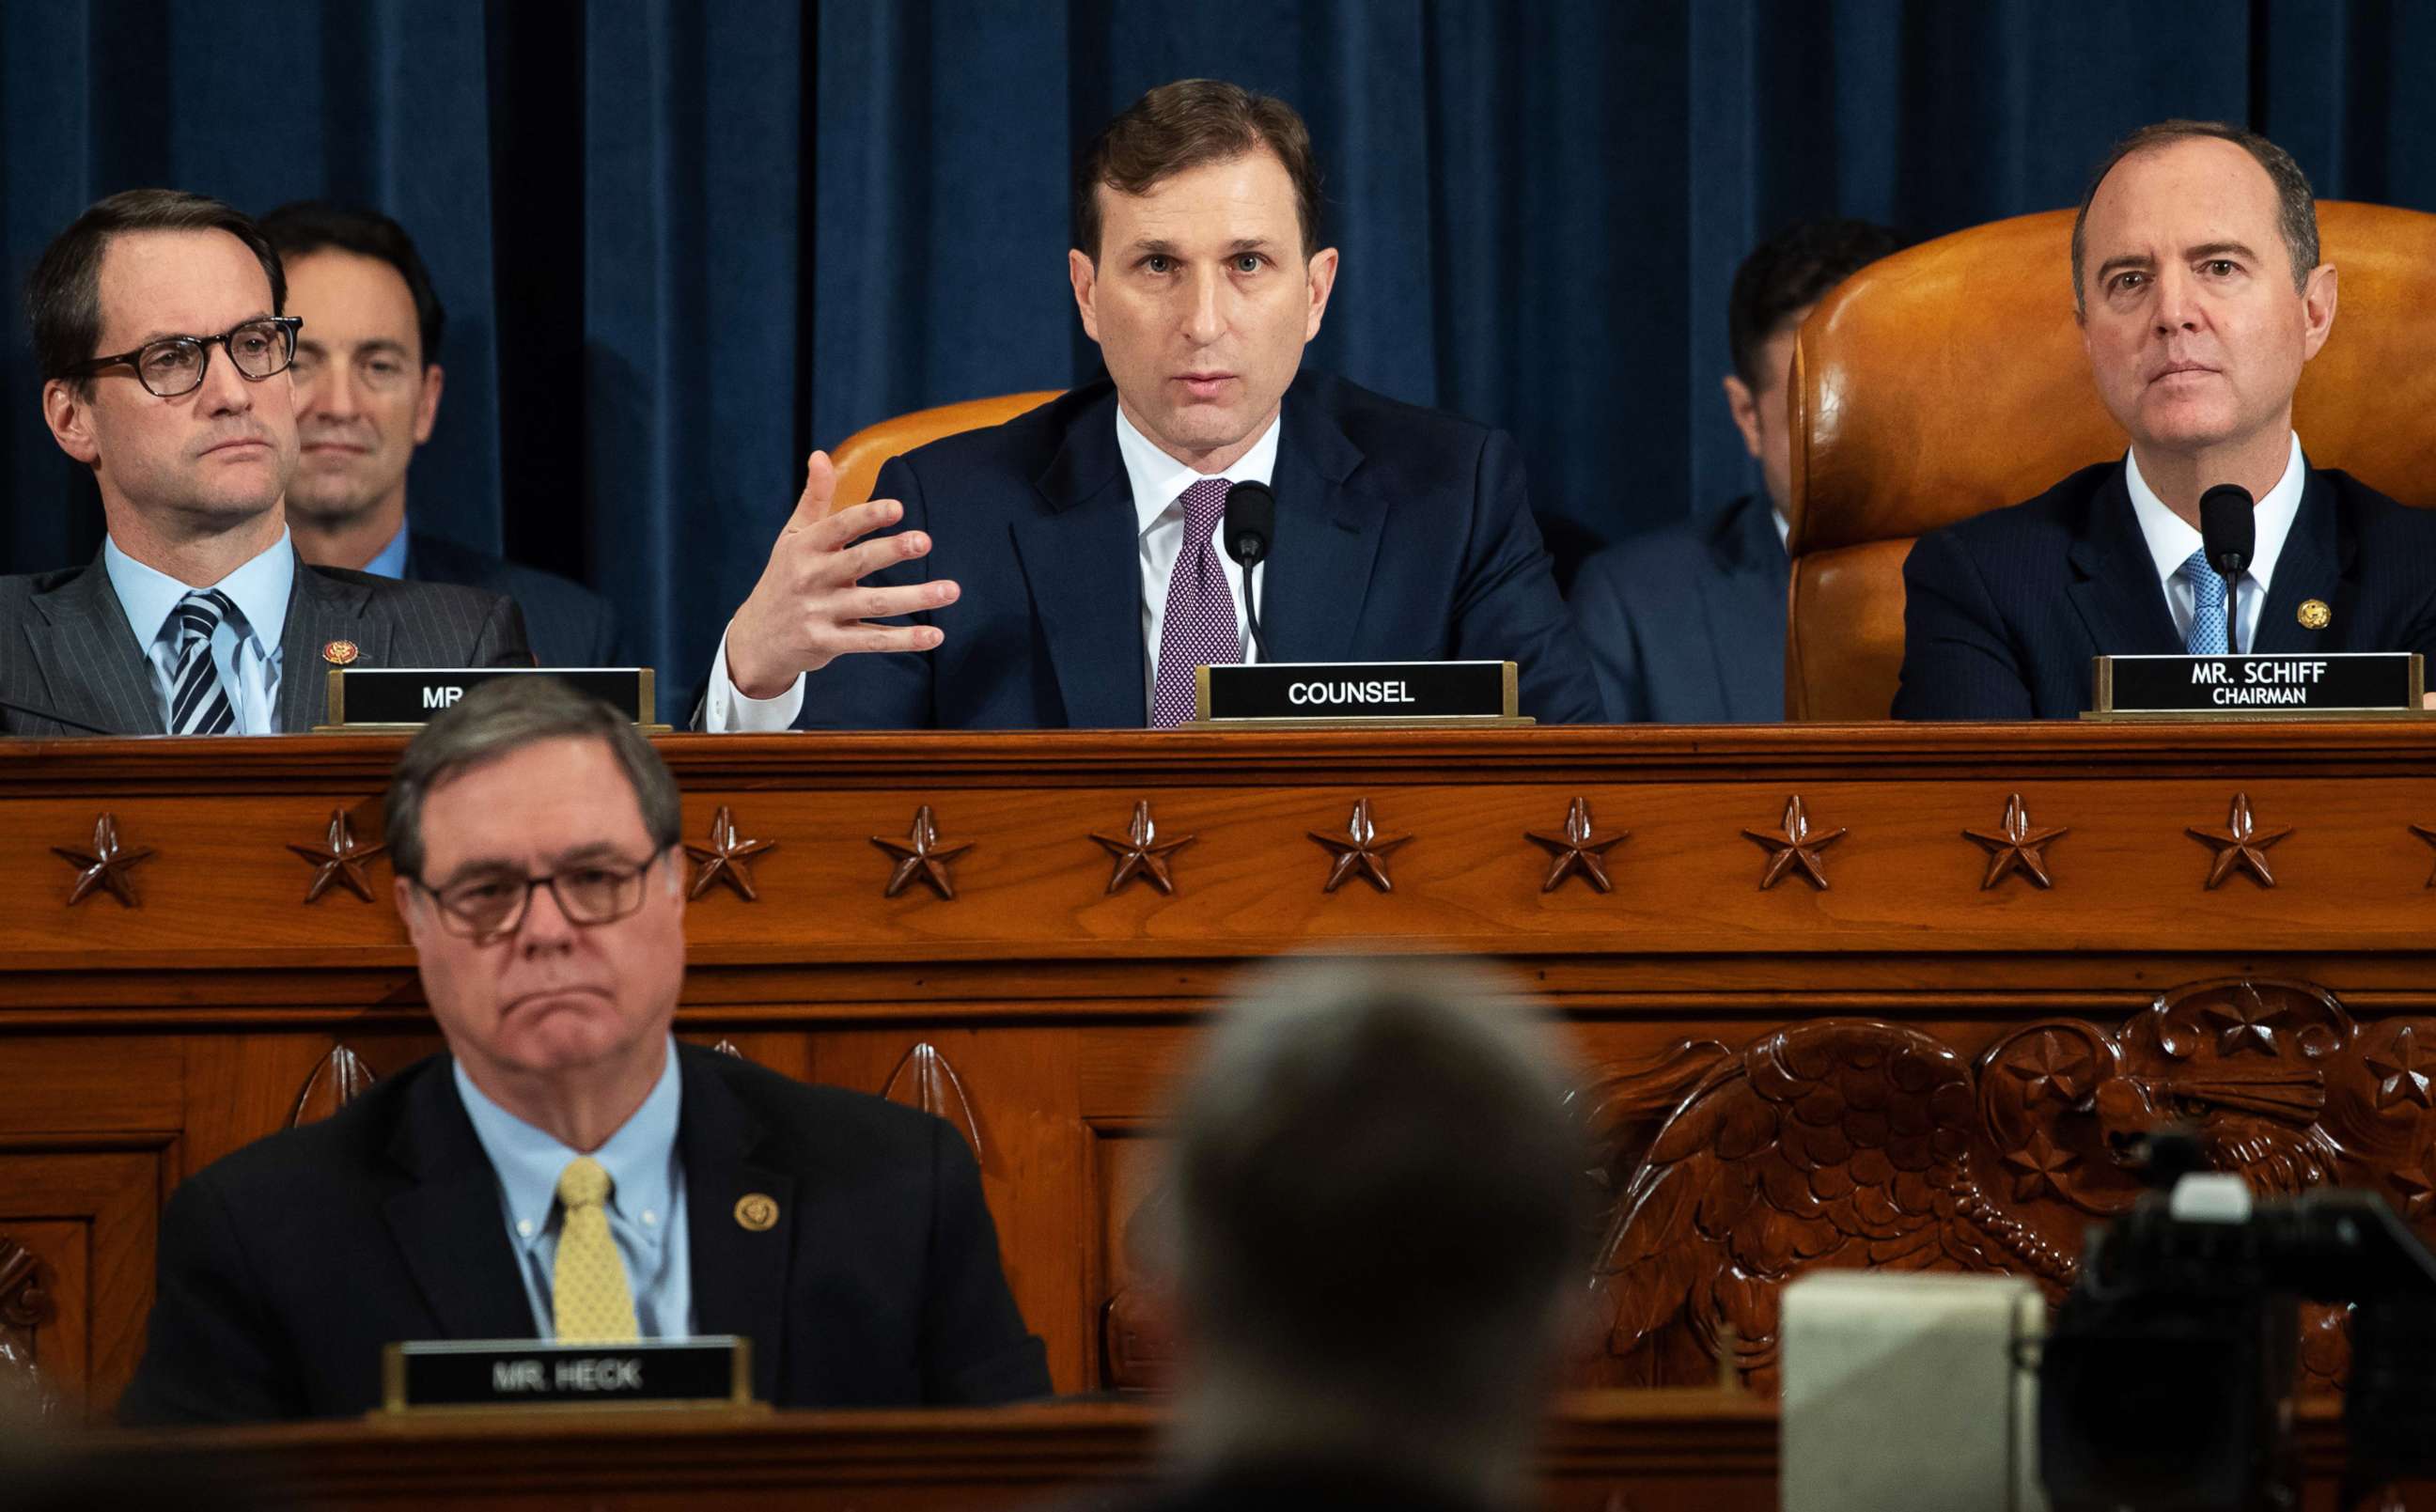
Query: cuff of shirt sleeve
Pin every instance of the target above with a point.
(726, 710)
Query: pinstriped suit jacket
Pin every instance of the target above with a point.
(65, 646)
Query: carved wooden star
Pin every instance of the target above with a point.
(1795, 844)
(2428, 835)
(2401, 1073)
(2416, 1185)
(1141, 853)
(1361, 848)
(2017, 845)
(919, 854)
(2052, 1070)
(339, 860)
(2240, 845)
(105, 868)
(2246, 1023)
(1578, 849)
(2039, 1165)
(726, 859)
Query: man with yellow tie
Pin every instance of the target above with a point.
(566, 1169)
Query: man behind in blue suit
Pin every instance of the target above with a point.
(1687, 624)
(368, 382)
(2200, 297)
(1076, 542)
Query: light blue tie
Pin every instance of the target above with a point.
(2208, 606)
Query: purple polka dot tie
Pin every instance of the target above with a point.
(1199, 626)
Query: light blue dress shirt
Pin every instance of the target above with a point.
(389, 560)
(647, 1210)
(247, 655)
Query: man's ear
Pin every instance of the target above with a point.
(70, 416)
(1744, 406)
(1084, 276)
(401, 892)
(1319, 274)
(426, 408)
(2317, 310)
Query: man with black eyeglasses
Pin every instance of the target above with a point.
(568, 1169)
(158, 321)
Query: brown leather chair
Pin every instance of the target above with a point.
(859, 456)
(1948, 379)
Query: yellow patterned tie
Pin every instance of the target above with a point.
(587, 1288)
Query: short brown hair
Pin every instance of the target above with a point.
(63, 293)
(1185, 124)
(2296, 205)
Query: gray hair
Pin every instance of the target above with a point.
(1379, 1206)
(2296, 205)
(504, 714)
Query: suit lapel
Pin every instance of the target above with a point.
(2316, 562)
(1319, 569)
(1081, 561)
(2115, 588)
(322, 609)
(739, 1275)
(448, 1220)
(93, 668)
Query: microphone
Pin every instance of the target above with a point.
(55, 717)
(1251, 523)
(2228, 532)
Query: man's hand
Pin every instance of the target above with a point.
(810, 606)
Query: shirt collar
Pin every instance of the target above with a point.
(2171, 540)
(259, 589)
(1158, 479)
(528, 1162)
(389, 560)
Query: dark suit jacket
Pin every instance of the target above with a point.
(1402, 534)
(2002, 611)
(65, 646)
(1686, 625)
(568, 624)
(285, 1267)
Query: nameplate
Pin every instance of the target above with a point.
(2310, 683)
(393, 698)
(1334, 692)
(523, 1374)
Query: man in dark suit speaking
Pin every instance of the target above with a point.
(158, 322)
(2200, 297)
(566, 1169)
(1076, 544)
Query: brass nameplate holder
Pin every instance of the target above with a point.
(1362, 694)
(538, 1375)
(381, 699)
(2312, 685)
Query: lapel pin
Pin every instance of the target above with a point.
(2315, 615)
(756, 1212)
(339, 652)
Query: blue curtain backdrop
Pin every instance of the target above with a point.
(683, 241)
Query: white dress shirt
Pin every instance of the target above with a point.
(2172, 540)
(246, 656)
(1159, 482)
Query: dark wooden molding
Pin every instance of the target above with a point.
(1139, 852)
(338, 1079)
(1579, 850)
(921, 855)
(2240, 845)
(25, 1305)
(1361, 850)
(925, 1080)
(105, 867)
(727, 858)
(2015, 844)
(2427, 834)
(1794, 843)
(339, 860)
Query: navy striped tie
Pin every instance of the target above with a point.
(198, 704)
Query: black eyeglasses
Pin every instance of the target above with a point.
(175, 365)
(588, 893)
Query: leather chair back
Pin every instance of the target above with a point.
(859, 456)
(1948, 379)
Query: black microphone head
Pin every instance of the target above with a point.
(1251, 521)
(2228, 526)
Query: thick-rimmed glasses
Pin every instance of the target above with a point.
(175, 365)
(588, 893)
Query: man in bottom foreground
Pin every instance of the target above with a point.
(481, 1193)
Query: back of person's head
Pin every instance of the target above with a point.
(1378, 1205)
(1786, 275)
(303, 227)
